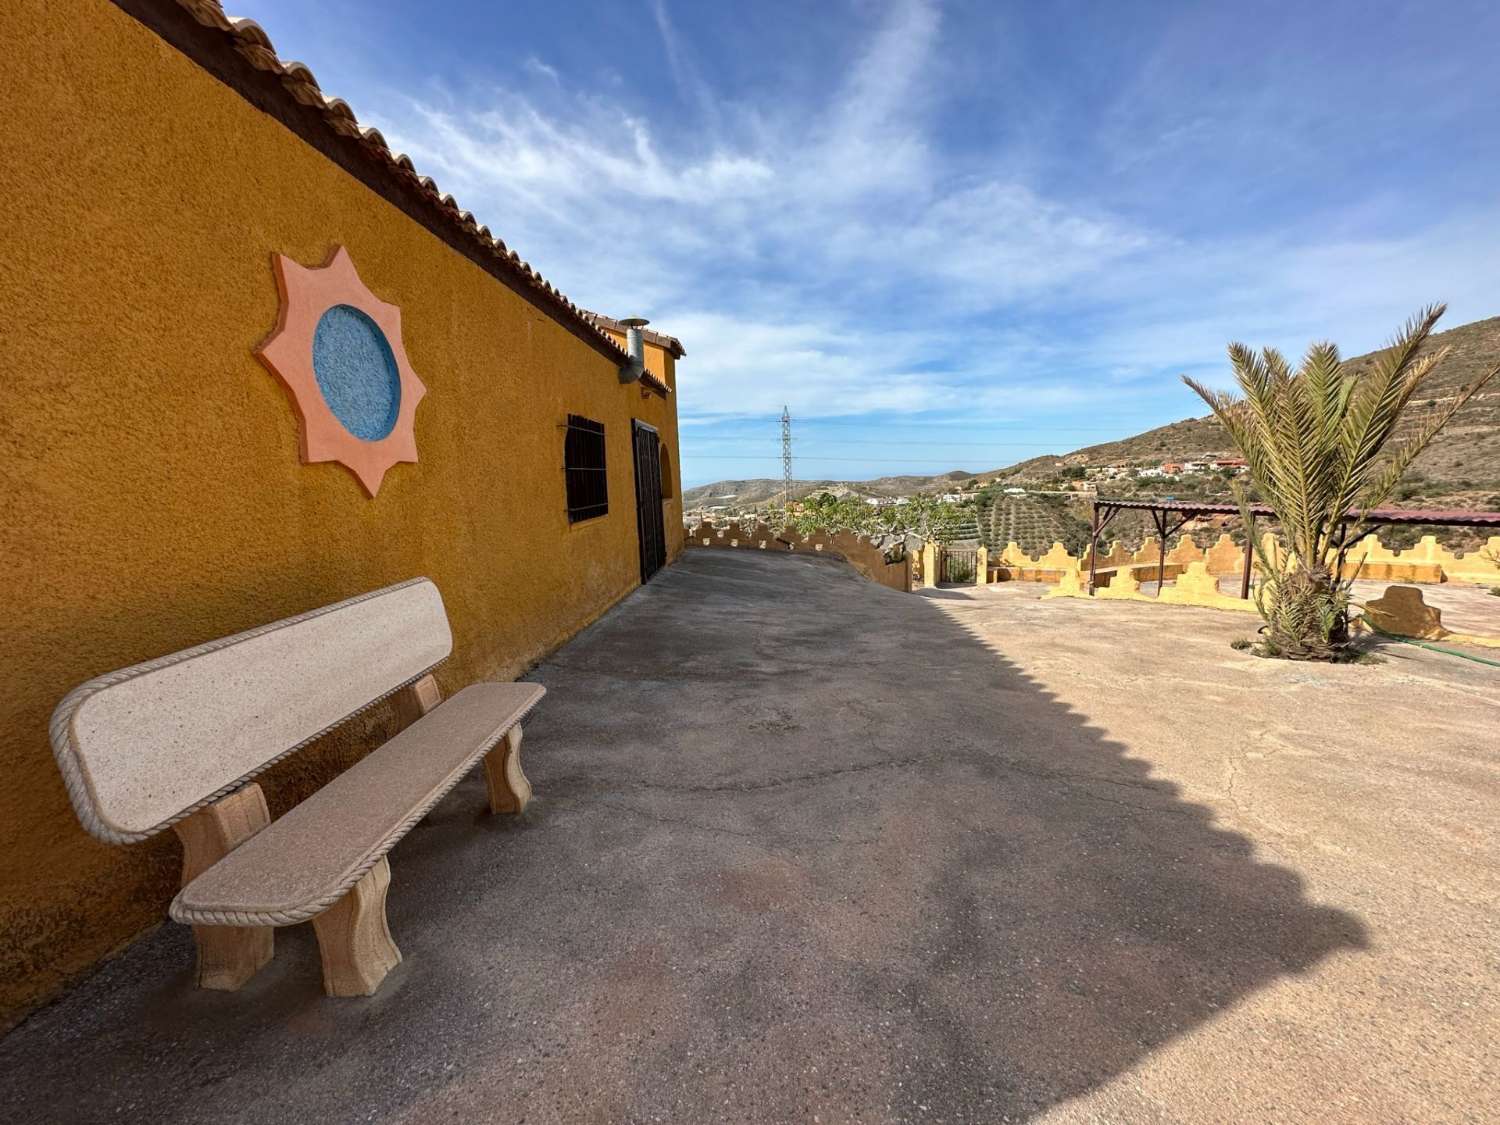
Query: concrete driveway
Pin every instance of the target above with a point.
(808, 849)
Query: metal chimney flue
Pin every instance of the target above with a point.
(635, 344)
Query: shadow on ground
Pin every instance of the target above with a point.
(802, 846)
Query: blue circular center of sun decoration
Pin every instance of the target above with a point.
(356, 372)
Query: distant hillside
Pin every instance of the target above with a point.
(1468, 449)
(764, 490)
(1032, 522)
(1461, 468)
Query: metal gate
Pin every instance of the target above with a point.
(957, 565)
(648, 515)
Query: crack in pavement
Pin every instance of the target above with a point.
(791, 779)
(758, 838)
(1077, 783)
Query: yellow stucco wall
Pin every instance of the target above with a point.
(152, 496)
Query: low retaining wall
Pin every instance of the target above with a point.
(1427, 562)
(1401, 612)
(1122, 570)
(863, 555)
(1195, 585)
(1418, 563)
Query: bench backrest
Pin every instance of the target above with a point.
(144, 747)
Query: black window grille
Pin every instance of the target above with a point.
(583, 464)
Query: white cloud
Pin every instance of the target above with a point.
(766, 248)
(999, 241)
(871, 138)
(841, 258)
(746, 368)
(536, 66)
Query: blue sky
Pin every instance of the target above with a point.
(949, 235)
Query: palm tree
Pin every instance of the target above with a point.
(1321, 447)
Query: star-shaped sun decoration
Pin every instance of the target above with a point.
(337, 349)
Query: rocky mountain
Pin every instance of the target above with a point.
(1468, 447)
(1460, 468)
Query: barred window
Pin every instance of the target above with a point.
(583, 464)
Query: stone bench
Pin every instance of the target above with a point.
(1006, 572)
(174, 742)
(1380, 570)
(1140, 571)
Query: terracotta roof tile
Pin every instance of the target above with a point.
(252, 43)
(671, 343)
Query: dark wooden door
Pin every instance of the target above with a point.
(648, 516)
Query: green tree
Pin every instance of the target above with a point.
(924, 516)
(827, 512)
(1319, 443)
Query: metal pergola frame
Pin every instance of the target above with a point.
(1162, 512)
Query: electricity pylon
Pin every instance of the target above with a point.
(786, 458)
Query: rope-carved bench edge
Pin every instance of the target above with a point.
(355, 874)
(75, 779)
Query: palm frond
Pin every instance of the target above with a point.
(1411, 448)
(1317, 441)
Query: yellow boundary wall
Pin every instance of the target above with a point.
(858, 552)
(1426, 562)
(1185, 561)
(1401, 612)
(1195, 569)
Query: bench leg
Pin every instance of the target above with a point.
(228, 956)
(509, 790)
(418, 699)
(354, 939)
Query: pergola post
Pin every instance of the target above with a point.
(1249, 557)
(1093, 543)
(1160, 519)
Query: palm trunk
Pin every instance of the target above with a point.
(1307, 616)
